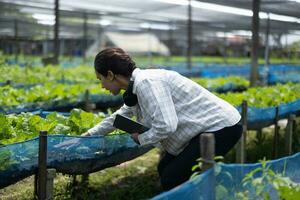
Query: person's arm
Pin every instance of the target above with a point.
(155, 98)
(106, 126)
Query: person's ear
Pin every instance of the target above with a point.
(110, 75)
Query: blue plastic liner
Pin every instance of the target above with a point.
(90, 154)
(274, 78)
(262, 117)
(19, 160)
(224, 181)
(275, 73)
(101, 101)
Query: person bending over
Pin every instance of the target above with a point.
(176, 109)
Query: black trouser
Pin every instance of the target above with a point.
(174, 170)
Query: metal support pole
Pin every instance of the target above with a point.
(84, 46)
(207, 145)
(267, 60)
(56, 33)
(42, 166)
(8, 82)
(207, 148)
(45, 48)
(16, 39)
(62, 47)
(189, 36)
(35, 186)
(170, 41)
(241, 145)
(88, 105)
(225, 48)
(100, 36)
(51, 174)
(276, 134)
(149, 46)
(289, 134)
(85, 179)
(255, 43)
(259, 135)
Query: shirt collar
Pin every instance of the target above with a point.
(133, 76)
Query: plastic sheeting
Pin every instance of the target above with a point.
(101, 101)
(19, 160)
(262, 117)
(280, 73)
(224, 181)
(221, 71)
(274, 78)
(90, 154)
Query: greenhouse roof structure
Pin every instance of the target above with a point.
(36, 17)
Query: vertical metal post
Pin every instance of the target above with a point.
(100, 36)
(259, 135)
(225, 48)
(149, 46)
(56, 33)
(42, 166)
(207, 145)
(189, 36)
(62, 47)
(84, 46)
(255, 43)
(289, 134)
(207, 148)
(16, 39)
(51, 173)
(276, 134)
(170, 41)
(241, 146)
(85, 179)
(35, 186)
(267, 60)
(8, 82)
(88, 105)
(45, 48)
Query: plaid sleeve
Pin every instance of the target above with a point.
(155, 99)
(106, 126)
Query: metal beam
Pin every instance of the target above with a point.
(16, 39)
(84, 44)
(267, 61)
(255, 44)
(189, 36)
(56, 33)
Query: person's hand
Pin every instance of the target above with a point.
(135, 138)
(86, 134)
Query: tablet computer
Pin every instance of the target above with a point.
(128, 125)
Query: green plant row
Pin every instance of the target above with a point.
(263, 97)
(85, 74)
(11, 97)
(24, 126)
(212, 59)
(212, 83)
(38, 75)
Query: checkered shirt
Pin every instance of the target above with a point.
(175, 108)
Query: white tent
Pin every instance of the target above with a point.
(133, 43)
(138, 43)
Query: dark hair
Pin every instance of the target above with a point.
(115, 60)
